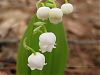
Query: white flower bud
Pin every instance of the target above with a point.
(67, 8)
(36, 61)
(47, 42)
(43, 13)
(55, 15)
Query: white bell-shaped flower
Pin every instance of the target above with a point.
(43, 13)
(47, 42)
(67, 8)
(55, 15)
(36, 61)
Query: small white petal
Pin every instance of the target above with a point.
(31, 67)
(54, 47)
(45, 63)
(40, 68)
(43, 13)
(67, 8)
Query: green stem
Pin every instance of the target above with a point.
(53, 1)
(45, 30)
(40, 31)
(38, 3)
(37, 29)
(55, 5)
(27, 47)
(40, 27)
(66, 1)
(42, 4)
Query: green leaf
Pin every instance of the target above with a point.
(56, 60)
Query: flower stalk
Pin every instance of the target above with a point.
(66, 1)
(40, 27)
(38, 4)
(27, 47)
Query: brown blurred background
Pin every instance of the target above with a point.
(82, 28)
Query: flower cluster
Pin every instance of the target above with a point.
(46, 43)
(55, 14)
(47, 40)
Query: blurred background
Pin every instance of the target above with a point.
(82, 28)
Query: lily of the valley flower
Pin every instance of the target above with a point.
(67, 8)
(55, 15)
(36, 61)
(47, 42)
(43, 13)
